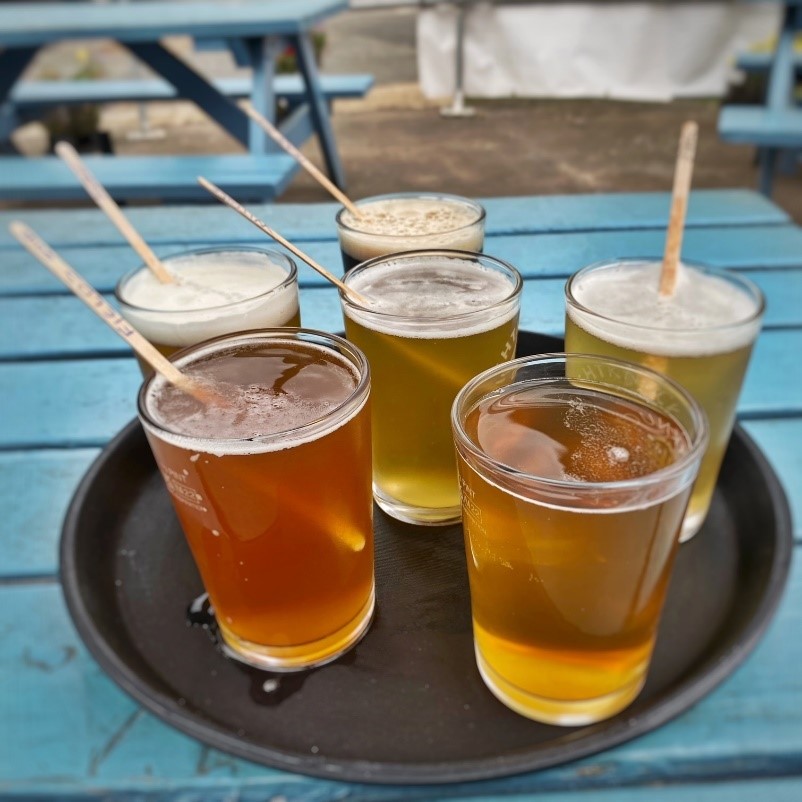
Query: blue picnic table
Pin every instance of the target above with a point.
(254, 30)
(775, 126)
(68, 385)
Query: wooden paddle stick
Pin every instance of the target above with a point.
(683, 173)
(263, 227)
(40, 250)
(310, 168)
(106, 203)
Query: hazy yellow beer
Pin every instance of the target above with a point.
(573, 494)
(432, 320)
(281, 535)
(701, 337)
(217, 291)
(409, 221)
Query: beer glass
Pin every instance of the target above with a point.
(409, 221)
(217, 291)
(432, 319)
(273, 489)
(575, 474)
(701, 337)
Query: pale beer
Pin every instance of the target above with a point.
(214, 292)
(573, 496)
(431, 321)
(409, 221)
(701, 336)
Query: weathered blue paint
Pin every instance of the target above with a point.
(32, 25)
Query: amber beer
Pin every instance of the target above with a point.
(573, 493)
(409, 221)
(432, 320)
(215, 292)
(701, 337)
(273, 490)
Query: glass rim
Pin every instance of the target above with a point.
(506, 268)
(356, 397)
(481, 212)
(697, 443)
(273, 255)
(742, 282)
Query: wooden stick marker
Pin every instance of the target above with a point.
(683, 172)
(40, 250)
(106, 203)
(225, 198)
(310, 168)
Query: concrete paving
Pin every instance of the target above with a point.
(396, 140)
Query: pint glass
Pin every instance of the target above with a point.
(409, 221)
(431, 320)
(701, 337)
(216, 291)
(273, 489)
(575, 474)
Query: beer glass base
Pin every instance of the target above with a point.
(421, 516)
(564, 713)
(285, 659)
(691, 525)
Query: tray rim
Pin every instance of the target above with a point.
(678, 698)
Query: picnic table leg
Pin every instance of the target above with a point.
(767, 158)
(263, 53)
(13, 61)
(191, 85)
(318, 107)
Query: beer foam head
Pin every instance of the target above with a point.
(434, 295)
(280, 393)
(708, 313)
(411, 222)
(215, 292)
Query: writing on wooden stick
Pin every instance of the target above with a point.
(41, 251)
(683, 173)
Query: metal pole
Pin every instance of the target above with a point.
(458, 107)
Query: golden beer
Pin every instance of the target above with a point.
(573, 497)
(282, 537)
(216, 292)
(433, 319)
(409, 221)
(701, 337)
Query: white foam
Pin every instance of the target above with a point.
(705, 315)
(432, 298)
(197, 306)
(251, 402)
(391, 225)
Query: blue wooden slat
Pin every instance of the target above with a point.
(34, 24)
(127, 177)
(35, 489)
(757, 125)
(314, 221)
(60, 325)
(74, 731)
(32, 96)
(96, 397)
(542, 255)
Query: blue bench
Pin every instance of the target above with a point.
(256, 177)
(248, 176)
(29, 98)
(761, 62)
(776, 125)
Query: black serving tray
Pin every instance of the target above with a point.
(407, 705)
